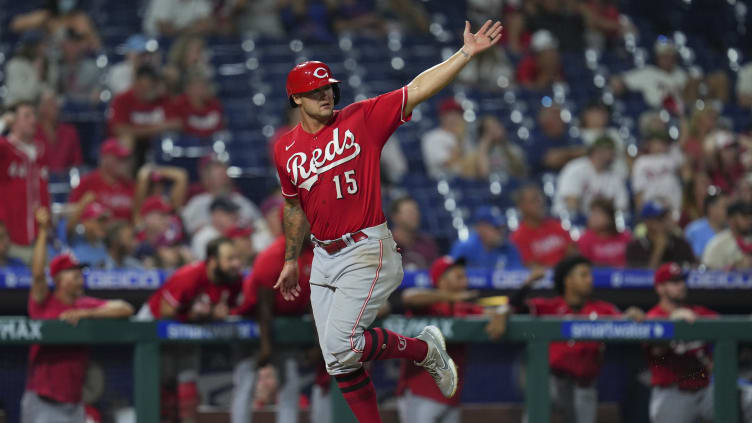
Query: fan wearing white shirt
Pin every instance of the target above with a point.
(655, 175)
(589, 177)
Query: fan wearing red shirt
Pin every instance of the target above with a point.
(62, 138)
(55, 375)
(23, 178)
(421, 401)
(541, 240)
(262, 302)
(574, 365)
(110, 184)
(198, 292)
(602, 243)
(199, 110)
(541, 69)
(680, 371)
(329, 170)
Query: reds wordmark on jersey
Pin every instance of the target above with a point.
(336, 172)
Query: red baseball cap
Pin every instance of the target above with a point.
(309, 76)
(94, 211)
(669, 272)
(441, 265)
(155, 203)
(239, 232)
(62, 262)
(113, 147)
(449, 104)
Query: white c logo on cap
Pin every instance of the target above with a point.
(321, 72)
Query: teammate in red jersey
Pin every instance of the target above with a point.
(261, 301)
(23, 177)
(197, 292)
(329, 170)
(680, 371)
(55, 378)
(574, 365)
(420, 400)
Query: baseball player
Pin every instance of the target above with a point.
(329, 170)
(574, 365)
(55, 378)
(261, 300)
(420, 400)
(680, 371)
(202, 291)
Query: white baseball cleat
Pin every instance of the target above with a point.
(438, 363)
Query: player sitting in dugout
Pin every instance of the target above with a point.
(574, 365)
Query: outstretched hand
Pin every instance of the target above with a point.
(288, 281)
(488, 35)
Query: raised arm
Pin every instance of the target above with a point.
(296, 228)
(431, 81)
(39, 289)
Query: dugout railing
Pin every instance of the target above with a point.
(146, 337)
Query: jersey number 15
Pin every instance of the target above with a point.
(352, 184)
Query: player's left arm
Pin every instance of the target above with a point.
(112, 309)
(431, 81)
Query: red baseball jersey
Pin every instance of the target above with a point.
(65, 143)
(546, 245)
(683, 364)
(58, 372)
(336, 172)
(582, 359)
(608, 251)
(117, 197)
(191, 283)
(23, 178)
(200, 122)
(266, 270)
(417, 380)
(126, 108)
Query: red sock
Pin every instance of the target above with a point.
(382, 344)
(360, 395)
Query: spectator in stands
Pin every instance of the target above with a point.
(497, 154)
(602, 243)
(215, 182)
(660, 244)
(393, 163)
(139, 51)
(725, 166)
(170, 18)
(142, 113)
(663, 84)
(198, 292)
(744, 86)
(701, 231)
(309, 19)
(419, 249)
(540, 69)
(271, 209)
(731, 249)
(490, 70)
(595, 120)
(602, 23)
(56, 374)
(541, 240)
(359, 17)
(655, 175)
(121, 244)
(223, 213)
(552, 148)
(589, 177)
(161, 236)
(487, 246)
(87, 239)
(54, 18)
(446, 149)
(198, 108)
(407, 16)
(692, 140)
(187, 56)
(153, 181)
(259, 17)
(79, 78)
(241, 238)
(111, 183)
(23, 178)
(420, 400)
(562, 18)
(6, 260)
(62, 138)
(29, 71)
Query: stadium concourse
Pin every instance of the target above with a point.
(611, 132)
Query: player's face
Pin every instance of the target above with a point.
(318, 104)
(228, 264)
(454, 279)
(676, 291)
(71, 282)
(580, 280)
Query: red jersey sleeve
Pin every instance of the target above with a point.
(89, 302)
(118, 112)
(178, 291)
(384, 113)
(288, 189)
